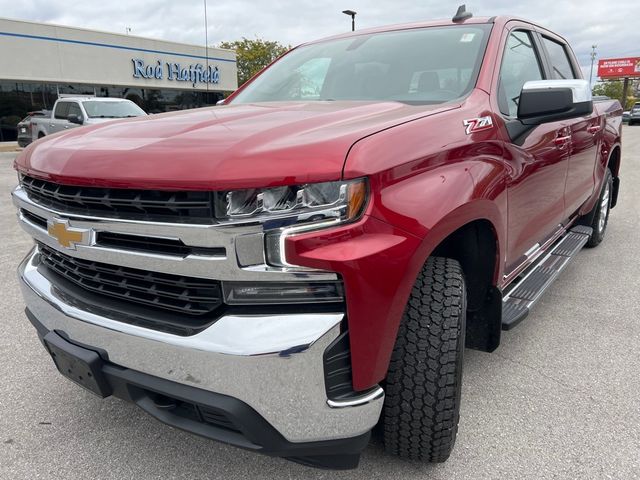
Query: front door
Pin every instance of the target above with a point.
(536, 160)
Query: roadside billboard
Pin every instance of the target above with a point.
(619, 67)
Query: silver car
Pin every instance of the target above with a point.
(634, 115)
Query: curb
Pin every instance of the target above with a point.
(9, 147)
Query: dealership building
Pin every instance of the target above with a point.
(38, 62)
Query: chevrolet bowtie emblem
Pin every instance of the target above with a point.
(68, 237)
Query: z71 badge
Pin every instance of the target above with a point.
(479, 124)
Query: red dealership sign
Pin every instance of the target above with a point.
(619, 67)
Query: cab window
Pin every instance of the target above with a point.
(74, 109)
(560, 64)
(520, 64)
(62, 110)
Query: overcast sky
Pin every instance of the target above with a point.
(613, 25)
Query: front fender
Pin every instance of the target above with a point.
(427, 179)
(380, 256)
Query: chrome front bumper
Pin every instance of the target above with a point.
(274, 363)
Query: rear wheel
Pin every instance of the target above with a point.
(422, 402)
(600, 211)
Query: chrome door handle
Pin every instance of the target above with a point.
(593, 129)
(562, 140)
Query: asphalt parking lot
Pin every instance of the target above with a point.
(560, 398)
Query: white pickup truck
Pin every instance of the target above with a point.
(70, 112)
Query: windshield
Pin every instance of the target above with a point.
(125, 108)
(425, 65)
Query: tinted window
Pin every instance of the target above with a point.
(424, 65)
(519, 65)
(560, 64)
(62, 110)
(74, 109)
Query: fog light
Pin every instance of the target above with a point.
(243, 293)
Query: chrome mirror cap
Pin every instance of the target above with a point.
(580, 89)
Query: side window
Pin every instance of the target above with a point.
(519, 65)
(74, 109)
(560, 64)
(62, 110)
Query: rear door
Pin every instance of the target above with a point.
(536, 159)
(585, 131)
(59, 119)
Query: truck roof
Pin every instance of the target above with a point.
(497, 20)
(91, 98)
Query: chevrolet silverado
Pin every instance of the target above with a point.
(309, 260)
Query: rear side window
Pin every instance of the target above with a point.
(520, 64)
(62, 110)
(560, 63)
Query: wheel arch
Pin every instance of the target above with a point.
(475, 245)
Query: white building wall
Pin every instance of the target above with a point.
(37, 52)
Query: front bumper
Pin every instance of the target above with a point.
(271, 363)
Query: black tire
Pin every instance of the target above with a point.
(600, 212)
(422, 403)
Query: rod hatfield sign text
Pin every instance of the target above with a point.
(619, 67)
(193, 74)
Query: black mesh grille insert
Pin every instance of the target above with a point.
(152, 205)
(192, 296)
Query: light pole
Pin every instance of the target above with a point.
(352, 14)
(593, 57)
(206, 43)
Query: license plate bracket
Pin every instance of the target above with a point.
(80, 365)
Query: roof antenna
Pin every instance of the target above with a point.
(462, 14)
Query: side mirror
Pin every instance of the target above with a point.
(220, 102)
(73, 118)
(544, 101)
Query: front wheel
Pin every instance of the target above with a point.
(421, 409)
(601, 211)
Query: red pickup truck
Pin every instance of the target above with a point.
(289, 270)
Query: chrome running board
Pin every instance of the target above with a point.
(524, 293)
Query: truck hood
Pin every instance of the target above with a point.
(216, 148)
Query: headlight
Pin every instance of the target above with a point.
(313, 202)
(284, 211)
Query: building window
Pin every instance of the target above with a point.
(17, 99)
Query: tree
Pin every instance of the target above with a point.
(254, 55)
(613, 89)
